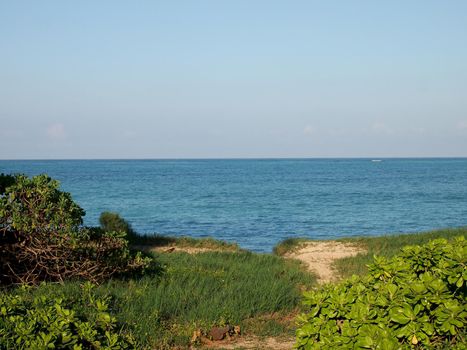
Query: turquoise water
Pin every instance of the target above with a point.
(257, 203)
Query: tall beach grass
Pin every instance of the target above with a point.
(199, 291)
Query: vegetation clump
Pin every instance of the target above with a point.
(414, 300)
(6, 181)
(59, 322)
(288, 245)
(156, 241)
(388, 246)
(42, 237)
(113, 222)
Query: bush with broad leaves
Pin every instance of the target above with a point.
(416, 300)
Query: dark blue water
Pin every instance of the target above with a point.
(257, 203)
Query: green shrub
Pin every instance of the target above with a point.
(57, 322)
(37, 205)
(112, 222)
(388, 246)
(6, 181)
(414, 300)
(41, 237)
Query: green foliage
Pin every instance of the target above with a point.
(113, 222)
(198, 291)
(6, 181)
(41, 237)
(414, 300)
(57, 322)
(157, 240)
(36, 204)
(208, 289)
(288, 245)
(388, 246)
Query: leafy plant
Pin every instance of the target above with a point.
(45, 322)
(41, 237)
(388, 246)
(113, 222)
(414, 300)
(6, 181)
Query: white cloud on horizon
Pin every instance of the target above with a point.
(418, 130)
(308, 130)
(462, 125)
(56, 131)
(381, 128)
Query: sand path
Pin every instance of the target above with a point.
(320, 256)
(252, 342)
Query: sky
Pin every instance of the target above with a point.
(232, 79)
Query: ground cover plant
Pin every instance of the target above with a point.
(218, 288)
(388, 246)
(416, 299)
(161, 241)
(59, 321)
(259, 292)
(288, 245)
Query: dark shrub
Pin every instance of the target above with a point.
(6, 181)
(112, 222)
(41, 237)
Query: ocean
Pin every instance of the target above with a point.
(259, 202)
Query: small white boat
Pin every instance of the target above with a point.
(376, 160)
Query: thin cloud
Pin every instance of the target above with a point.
(381, 128)
(418, 130)
(462, 125)
(308, 130)
(56, 131)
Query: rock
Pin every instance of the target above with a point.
(218, 333)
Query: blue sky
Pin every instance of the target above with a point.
(220, 79)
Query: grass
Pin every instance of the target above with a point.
(388, 245)
(288, 245)
(158, 240)
(256, 291)
(259, 292)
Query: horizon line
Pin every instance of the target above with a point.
(235, 158)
